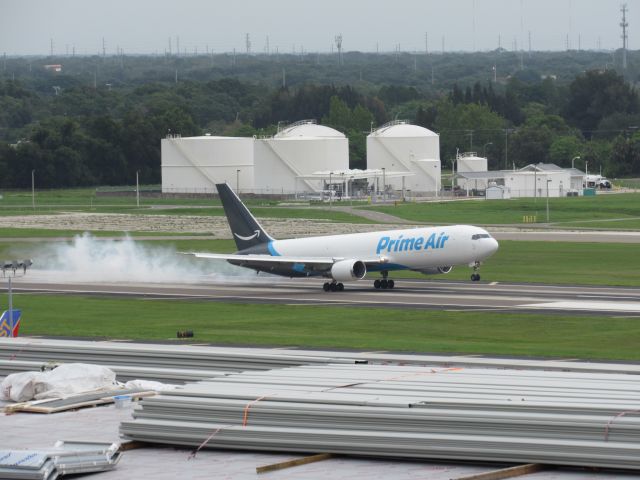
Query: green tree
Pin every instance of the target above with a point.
(596, 95)
(563, 149)
(625, 156)
(466, 127)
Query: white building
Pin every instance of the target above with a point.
(530, 181)
(470, 162)
(401, 147)
(277, 165)
(284, 162)
(538, 180)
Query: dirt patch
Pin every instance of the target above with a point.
(217, 226)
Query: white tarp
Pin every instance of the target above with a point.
(63, 381)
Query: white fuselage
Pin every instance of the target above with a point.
(414, 249)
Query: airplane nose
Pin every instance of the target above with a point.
(493, 246)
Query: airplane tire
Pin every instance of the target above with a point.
(326, 287)
(333, 287)
(391, 284)
(384, 284)
(475, 277)
(340, 287)
(376, 284)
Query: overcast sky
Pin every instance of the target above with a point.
(145, 26)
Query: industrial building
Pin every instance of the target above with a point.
(282, 164)
(470, 162)
(535, 180)
(306, 158)
(401, 147)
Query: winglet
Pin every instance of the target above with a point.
(246, 230)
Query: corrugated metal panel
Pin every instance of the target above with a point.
(565, 418)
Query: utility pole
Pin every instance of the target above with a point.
(52, 47)
(247, 42)
(426, 43)
(104, 48)
(137, 189)
(33, 189)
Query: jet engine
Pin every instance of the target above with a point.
(436, 270)
(348, 270)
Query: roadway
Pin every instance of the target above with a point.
(409, 293)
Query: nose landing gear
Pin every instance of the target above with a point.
(475, 276)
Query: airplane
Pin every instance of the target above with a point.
(348, 257)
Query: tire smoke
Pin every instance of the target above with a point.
(88, 259)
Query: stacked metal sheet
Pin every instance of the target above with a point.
(65, 458)
(166, 363)
(563, 418)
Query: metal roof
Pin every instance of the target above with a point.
(490, 175)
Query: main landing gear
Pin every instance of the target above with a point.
(333, 287)
(475, 276)
(384, 283)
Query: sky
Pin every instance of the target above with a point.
(28, 27)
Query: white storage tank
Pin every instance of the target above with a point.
(299, 149)
(471, 162)
(196, 164)
(399, 146)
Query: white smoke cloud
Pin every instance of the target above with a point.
(88, 259)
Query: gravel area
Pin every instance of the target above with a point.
(216, 226)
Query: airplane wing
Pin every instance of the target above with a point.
(316, 264)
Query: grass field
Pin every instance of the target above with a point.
(500, 212)
(332, 327)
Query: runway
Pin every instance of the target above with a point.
(409, 293)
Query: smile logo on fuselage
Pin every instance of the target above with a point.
(250, 237)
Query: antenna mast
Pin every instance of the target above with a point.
(338, 39)
(624, 24)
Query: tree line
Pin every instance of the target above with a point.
(79, 135)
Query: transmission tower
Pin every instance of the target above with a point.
(248, 43)
(624, 24)
(338, 40)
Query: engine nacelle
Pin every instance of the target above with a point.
(436, 270)
(348, 270)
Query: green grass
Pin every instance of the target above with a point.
(500, 212)
(332, 327)
(627, 182)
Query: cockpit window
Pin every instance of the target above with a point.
(478, 236)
